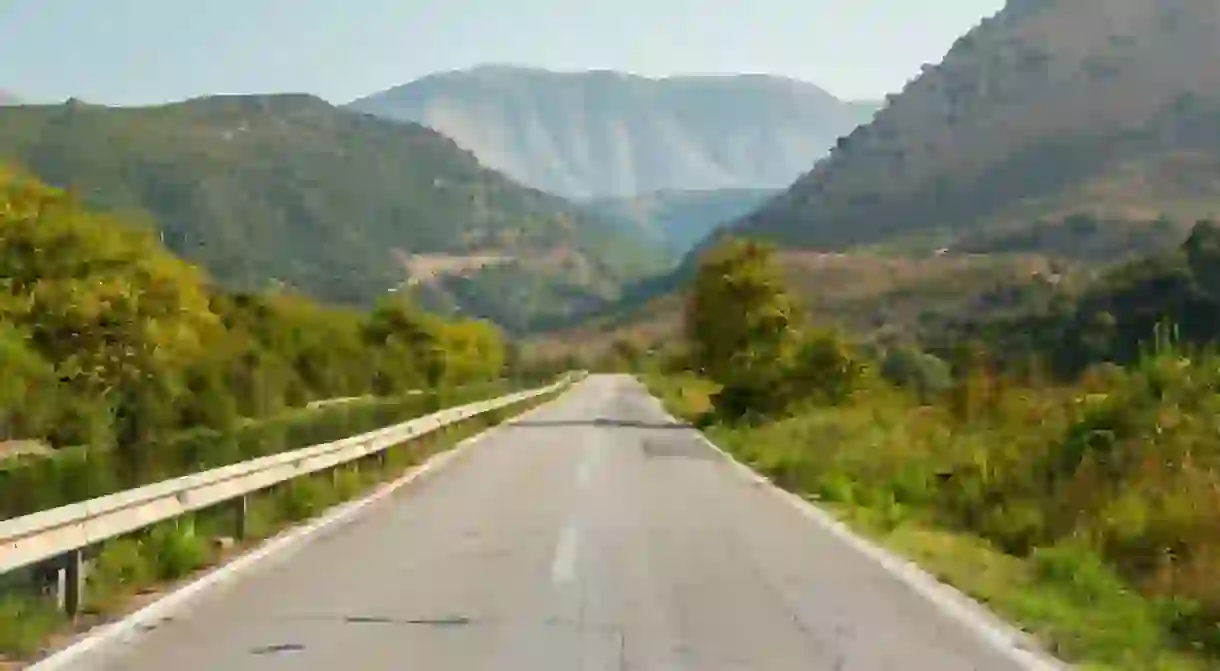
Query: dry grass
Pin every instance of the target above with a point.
(429, 268)
(868, 293)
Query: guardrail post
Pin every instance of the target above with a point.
(71, 582)
(242, 511)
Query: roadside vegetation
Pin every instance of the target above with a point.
(125, 365)
(130, 365)
(1074, 489)
(130, 571)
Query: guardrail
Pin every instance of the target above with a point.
(66, 531)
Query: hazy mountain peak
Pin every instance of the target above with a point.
(607, 133)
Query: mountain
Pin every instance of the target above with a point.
(7, 98)
(676, 221)
(288, 190)
(608, 134)
(1050, 108)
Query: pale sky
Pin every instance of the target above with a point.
(148, 51)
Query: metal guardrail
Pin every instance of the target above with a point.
(65, 531)
(343, 400)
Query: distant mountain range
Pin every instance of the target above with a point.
(290, 191)
(1048, 109)
(608, 134)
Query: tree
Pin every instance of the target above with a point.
(114, 313)
(742, 324)
(626, 352)
(409, 352)
(823, 369)
(28, 389)
(470, 350)
(910, 368)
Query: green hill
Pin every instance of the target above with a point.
(287, 190)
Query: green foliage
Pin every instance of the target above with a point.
(126, 359)
(824, 369)
(120, 565)
(1105, 555)
(304, 498)
(145, 560)
(746, 333)
(25, 623)
(741, 324)
(1116, 316)
(922, 373)
(28, 388)
(175, 549)
(740, 316)
(1093, 498)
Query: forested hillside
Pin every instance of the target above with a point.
(288, 191)
(107, 339)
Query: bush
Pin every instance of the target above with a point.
(121, 567)
(25, 623)
(174, 549)
(923, 374)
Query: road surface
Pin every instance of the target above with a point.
(593, 536)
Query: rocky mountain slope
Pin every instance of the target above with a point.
(288, 190)
(598, 134)
(1052, 107)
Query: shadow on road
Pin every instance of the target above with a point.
(619, 423)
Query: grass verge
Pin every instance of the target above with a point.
(1066, 596)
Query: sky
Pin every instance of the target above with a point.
(134, 52)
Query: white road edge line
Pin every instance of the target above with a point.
(277, 546)
(1009, 641)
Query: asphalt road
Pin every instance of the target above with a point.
(593, 536)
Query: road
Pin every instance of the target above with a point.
(594, 535)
